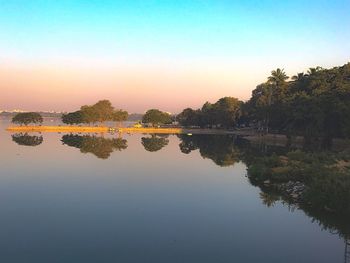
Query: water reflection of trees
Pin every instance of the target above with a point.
(225, 150)
(333, 222)
(221, 149)
(26, 139)
(99, 146)
(155, 142)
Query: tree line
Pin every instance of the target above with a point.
(315, 105)
(225, 113)
(100, 112)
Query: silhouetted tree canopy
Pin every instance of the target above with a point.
(156, 117)
(27, 117)
(99, 112)
(314, 105)
(119, 116)
(224, 113)
(75, 117)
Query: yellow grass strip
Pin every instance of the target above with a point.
(56, 129)
(151, 130)
(91, 129)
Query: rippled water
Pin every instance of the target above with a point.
(138, 198)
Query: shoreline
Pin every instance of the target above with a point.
(248, 134)
(105, 129)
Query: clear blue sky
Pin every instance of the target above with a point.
(214, 38)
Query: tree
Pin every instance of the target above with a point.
(156, 117)
(312, 71)
(103, 110)
(227, 111)
(75, 117)
(99, 112)
(119, 116)
(27, 117)
(208, 115)
(278, 77)
(88, 114)
(189, 117)
(299, 76)
(267, 98)
(314, 105)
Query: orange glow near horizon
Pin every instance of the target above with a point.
(136, 90)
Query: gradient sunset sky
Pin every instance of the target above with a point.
(59, 55)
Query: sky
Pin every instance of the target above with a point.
(59, 55)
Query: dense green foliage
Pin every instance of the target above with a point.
(315, 105)
(27, 117)
(75, 117)
(224, 113)
(99, 112)
(156, 117)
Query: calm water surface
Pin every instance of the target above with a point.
(146, 199)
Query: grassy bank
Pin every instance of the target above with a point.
(56, 129)
(88, 129)
(104, 129)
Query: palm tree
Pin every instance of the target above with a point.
(299, 76)
(275, 82)
(314, 70)
(277, 77)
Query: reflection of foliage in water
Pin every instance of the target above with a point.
(326, 176)
(99, 146)
(27, 140)
(220, 149)
(271, 166)
(155, 142)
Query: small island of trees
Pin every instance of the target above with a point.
(100, 112)
(25, 118)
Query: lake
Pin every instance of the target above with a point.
(143, 198)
